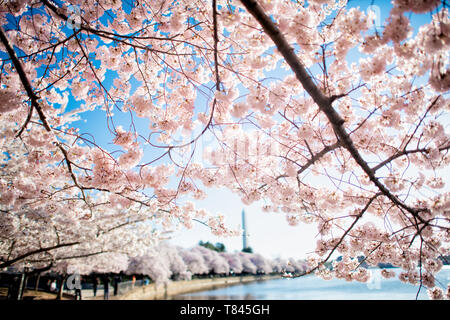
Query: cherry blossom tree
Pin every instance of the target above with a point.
(263, 265)
(100, 263)
(279, 265)
(164, 261)
(161, 262)
(215, 262)
(299, 266)
(194, 261)
(152, 265)
(247, 265)
(314, 111)
(233, 261)
(97, 263)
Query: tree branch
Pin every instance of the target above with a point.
(323, 102)
(35, 104)
(26, 255)
(404, 153)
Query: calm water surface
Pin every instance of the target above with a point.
(313, 288)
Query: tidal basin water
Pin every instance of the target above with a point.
(313, 288)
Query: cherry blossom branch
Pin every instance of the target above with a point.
(33, 252)
(216, 40)
(217, 80)
(323, 102)
(404, 153)
(86, 255)
(105, 34)
(359, 216)
(315, 157)
(35, 104)
(421, 120)
(24, 80)
(43, 269)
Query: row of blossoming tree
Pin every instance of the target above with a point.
(313, 110)
(163, 262)
(170, 262)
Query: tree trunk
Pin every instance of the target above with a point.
(61, 287)
(25, 283)
(36, 288)
(22, 285)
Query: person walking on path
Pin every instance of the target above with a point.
(106, 288)
(49, 284)
(53, 286)
(77, 293)
(13, 288)
(94, 285)
(133, 281)
(116, 285)
(78, 290)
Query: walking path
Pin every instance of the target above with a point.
(141, 291)
(171, 289)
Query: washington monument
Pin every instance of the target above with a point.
(245, 243)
